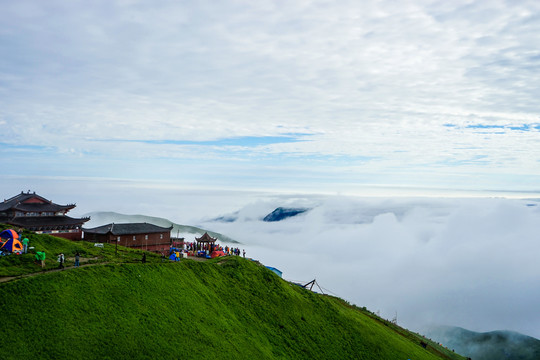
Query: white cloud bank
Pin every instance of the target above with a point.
(464, 262)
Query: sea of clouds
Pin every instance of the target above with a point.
(471, 262)
(468, 262)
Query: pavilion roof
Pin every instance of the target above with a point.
(205, 238)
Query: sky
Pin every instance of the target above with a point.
(316, 96)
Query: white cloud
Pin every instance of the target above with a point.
(467, 262)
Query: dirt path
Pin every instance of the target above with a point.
(4, 279)
(82, 261)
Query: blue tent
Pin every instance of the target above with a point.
(173, 256)
(276, 271)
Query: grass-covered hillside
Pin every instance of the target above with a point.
(17, 265)
(226, 308)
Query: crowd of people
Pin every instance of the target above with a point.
(206, 249)
(235, 251)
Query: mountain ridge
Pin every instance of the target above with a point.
(498, 344)
(282, 213)
(98, 218)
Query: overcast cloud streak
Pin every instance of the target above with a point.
(371, 80)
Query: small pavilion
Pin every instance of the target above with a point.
(205, 240)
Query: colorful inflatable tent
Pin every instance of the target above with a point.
(10, 241)
(217, 253)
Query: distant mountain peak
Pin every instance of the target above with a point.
(282, 213)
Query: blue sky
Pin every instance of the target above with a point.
(277, 95)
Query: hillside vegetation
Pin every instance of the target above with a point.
(17, 265)
(226, 308)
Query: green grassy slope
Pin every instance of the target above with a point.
(228, 308)
(15, 265)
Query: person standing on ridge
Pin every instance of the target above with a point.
(40, 256)
(61, 261)
(25, 245)
(77, 256)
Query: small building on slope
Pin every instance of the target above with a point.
(141, 236)
(35, 213)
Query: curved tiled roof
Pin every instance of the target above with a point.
(17, 202)
(36, 207)
(205, 238)
(36, 221)
(127, 229)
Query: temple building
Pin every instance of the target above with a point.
(142, 236)
(35, 213)
(206, 240)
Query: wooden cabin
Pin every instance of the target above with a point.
(143, 236)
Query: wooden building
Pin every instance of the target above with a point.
(141, 236)
(206, 239)
(33, 212)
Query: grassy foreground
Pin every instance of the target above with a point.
(221, 309)
(226, 308)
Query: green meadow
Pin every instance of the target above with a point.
(225, 308)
